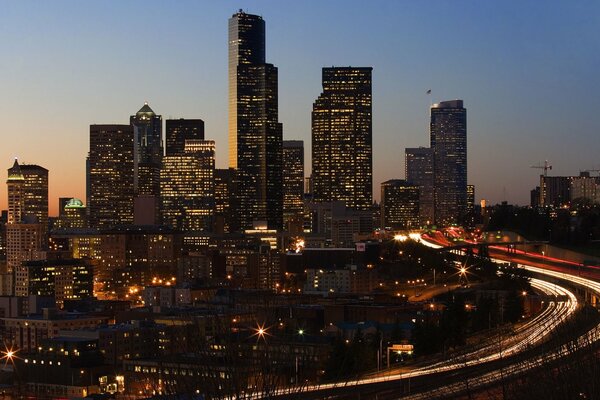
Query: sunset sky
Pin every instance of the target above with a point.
(526, 70)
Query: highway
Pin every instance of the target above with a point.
(520, 367)
(524, 337)
(492, 359)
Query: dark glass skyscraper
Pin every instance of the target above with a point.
(178, 130)
(148, 151)
(342, 163)
(293, 180)
(255, 135)
(419, 171)
(399, 205)
(110, 175)
(448, 130)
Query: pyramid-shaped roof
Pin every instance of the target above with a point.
(14, 173)
(146, 109)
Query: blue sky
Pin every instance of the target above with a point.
(527, 71)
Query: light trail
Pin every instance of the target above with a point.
(526, 335)
(530, 333)
(490, 378)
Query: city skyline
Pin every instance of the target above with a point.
(524, 103)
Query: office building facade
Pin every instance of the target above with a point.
(187, 187)
(110, 175)
(180, 130)
(399, 205)
(255, 134)
(342, 164)
(419, 171)
(24, 233)
(448, 130)
(293, 180)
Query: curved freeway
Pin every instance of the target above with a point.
(526, 335)
(516, 368)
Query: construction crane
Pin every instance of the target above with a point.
(545, 167)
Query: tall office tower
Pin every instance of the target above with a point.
(110, 175)
(399, 204)
(224, 209)
(16, 196)
(24, 233)
(148, 153)
(148, 150)
(187, 187)
(35, 193)
(293, 181)
(179, 130)
(255, 135)
(418, 170)
(448, 129)
(470, 199)
(342, 162)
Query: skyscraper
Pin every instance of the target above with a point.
(224, 199)
(178, 130)
(110, 175)
(419, 171)
(24, 232)
(293, 180)
(255, 135)
(148, 151)
(342, 164)
(399, 204)
(147, 158)
(35, 193)
(187, 187)
(448, 130)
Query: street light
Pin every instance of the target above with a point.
(260, 332)
(8, 355)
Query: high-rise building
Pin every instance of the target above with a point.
(555, 191)
(147, 158)
(110, 175)
(16, 196)
(342, 164)
(255, 134)
(399, 205)
(35, 193)
(470, 199)
(24, 233)
(293, 181)
(419, 171)
(448, 129)
(180, 130)
(187, 187)
(224, 209)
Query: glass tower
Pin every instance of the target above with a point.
(293, 179)
(178, 130)
(419, 171)
(110, 175)
(448, 130)
(342, 162)
(255, 135)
